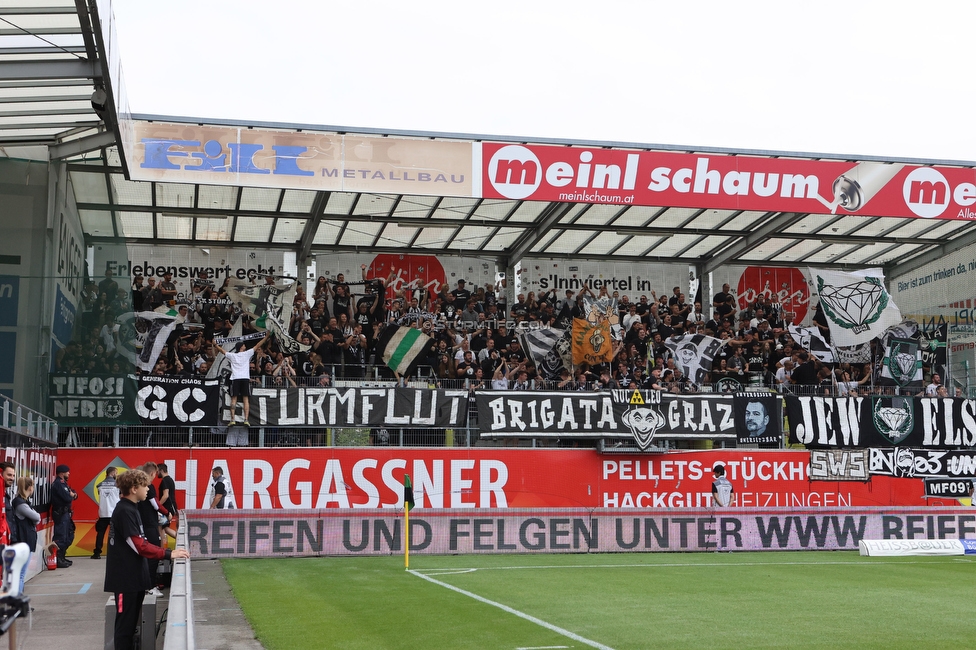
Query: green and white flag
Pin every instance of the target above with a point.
(401, 348)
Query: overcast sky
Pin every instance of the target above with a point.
(888, 78)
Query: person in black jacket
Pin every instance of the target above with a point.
(62, 498)
(127, 571)
(150, 511)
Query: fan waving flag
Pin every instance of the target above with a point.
(857, 305)
(902, 364)
(695, 353)
(401, 348)
(902, 361)
(158, 330)
(591, 342)
(544, 347)
(810, 339)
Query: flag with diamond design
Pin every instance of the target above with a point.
(902, 364)
(857, 305)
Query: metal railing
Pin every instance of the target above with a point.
(20, 419)
(180, 633)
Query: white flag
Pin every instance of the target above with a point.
(857, 305)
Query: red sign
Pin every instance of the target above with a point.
(485, 478)
(785, 287)
(619, 176)
(409, 272)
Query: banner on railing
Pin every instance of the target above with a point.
(922, 463)
(359, 407)
(175, 400)
(929, 422)
(952, 488)
(92, 399)
(216, 534)
(839, 465)
(641, 415)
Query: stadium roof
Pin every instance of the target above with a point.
(308, 222)
(50, 66)
(52, 60)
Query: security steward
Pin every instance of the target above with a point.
(62, 498)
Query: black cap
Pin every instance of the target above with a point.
(61, 469)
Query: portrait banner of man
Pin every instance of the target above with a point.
(758, 418)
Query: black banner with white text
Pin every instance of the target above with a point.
(177, 400)
(641, 415)
(359, 407)
(927, 422)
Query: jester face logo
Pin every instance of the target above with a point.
(643, 423)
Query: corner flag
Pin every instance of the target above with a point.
(407, 505)
(407, 492)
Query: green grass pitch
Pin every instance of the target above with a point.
(703, 600)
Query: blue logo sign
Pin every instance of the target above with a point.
(173, 154)
(64, 319)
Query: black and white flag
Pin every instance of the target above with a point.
(810, 339)
(694, 354)
(902, 364)
(270, 305)
(157, 328)
(547, 348)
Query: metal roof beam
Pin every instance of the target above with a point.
(774, 226)
(551, 215)
(932, 255)
(312, 225)
(36, 11)
(82, 145)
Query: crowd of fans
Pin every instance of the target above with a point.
(474, 332)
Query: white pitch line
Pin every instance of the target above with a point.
(674, 565)
(510, 610)
(448, 572)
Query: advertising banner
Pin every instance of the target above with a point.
(282, 478)
(411, 273)
(631, 279)
(359, 407)
(658, 178)
(187, 263)
(936, 423)
(641, 415)
(216, 534)
(256, 157)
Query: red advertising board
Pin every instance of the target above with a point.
(461, 479)
(651, 178)
(486, 478)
